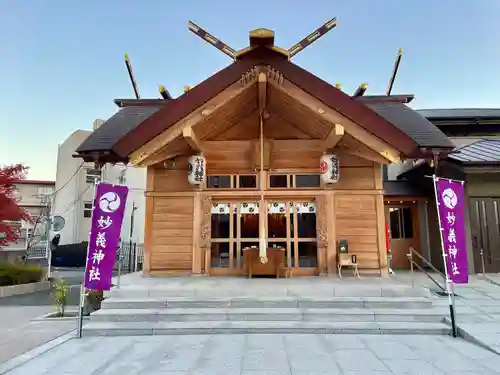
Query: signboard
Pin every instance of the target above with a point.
(450, 200)
(106, 224)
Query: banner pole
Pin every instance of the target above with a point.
(449, 282)
(81, 304)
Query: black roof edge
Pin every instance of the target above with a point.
(400, 98)
(139, 102)
(102, 156)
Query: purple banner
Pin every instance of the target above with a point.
(107, 219)
(451, 205)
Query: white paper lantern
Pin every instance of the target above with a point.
(330, 168)
(197, 167)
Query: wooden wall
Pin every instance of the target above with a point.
(354, 208)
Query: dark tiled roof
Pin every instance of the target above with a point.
(460, 113)
(485, 151)
(421, 130)
(402, 187)
(121, 123)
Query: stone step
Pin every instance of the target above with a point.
(276, 302)
(262, 327)
(270, 288)
(267, 314)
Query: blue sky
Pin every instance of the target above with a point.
(61, 61)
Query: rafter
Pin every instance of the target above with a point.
(201, 114)
(333, 117)
(191, 139)
(334, 136)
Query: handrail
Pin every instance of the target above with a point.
(422, 269)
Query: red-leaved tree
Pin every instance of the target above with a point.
(9, 209)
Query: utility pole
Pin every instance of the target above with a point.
(48, 225)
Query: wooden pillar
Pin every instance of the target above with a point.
(322, 233)
(205, 233)
(197, 251)
(148, 226)
(381, 232)
(331, 250)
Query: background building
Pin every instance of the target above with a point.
(75, 191)
(475, 160)
(34, 197)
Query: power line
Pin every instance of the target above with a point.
(77, 200)
(67, 182)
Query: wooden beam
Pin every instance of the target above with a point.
(191, 139)
(201, 114)
(333, 117)
(178, 147)
(334, 137)
(262, 91)
(373, 156)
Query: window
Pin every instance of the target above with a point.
(43, 191)
(292, 225)
(297, 181)
(400, 222)
(234, 227)
(232, 181)
(92, 175)
(247, 182)
(278, 181)
(219, 182)
(87, 209)
(307, 181)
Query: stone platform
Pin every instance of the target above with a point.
(136, 286)
(216, 305)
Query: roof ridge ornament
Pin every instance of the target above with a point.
(394, 72)
(262, 37)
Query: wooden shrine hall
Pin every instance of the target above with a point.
(264, 168)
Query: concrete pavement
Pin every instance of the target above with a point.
(477, 306)
(19, 333)
(264, 354)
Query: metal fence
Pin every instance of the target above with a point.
(37, 251)
(130, 257)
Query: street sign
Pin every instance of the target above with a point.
(58, 223)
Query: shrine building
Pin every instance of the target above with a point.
(264, 168)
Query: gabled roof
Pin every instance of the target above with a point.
(486, 151)
(105, 137)
(128, 130)
(459, 113)
(421, 130)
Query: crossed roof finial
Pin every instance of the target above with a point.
(262, 37)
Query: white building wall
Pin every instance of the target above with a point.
(70, 200)
(69, 189)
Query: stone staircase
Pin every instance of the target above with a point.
(165, 315)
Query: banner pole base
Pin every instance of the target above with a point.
(81, 306)
(453, 322)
